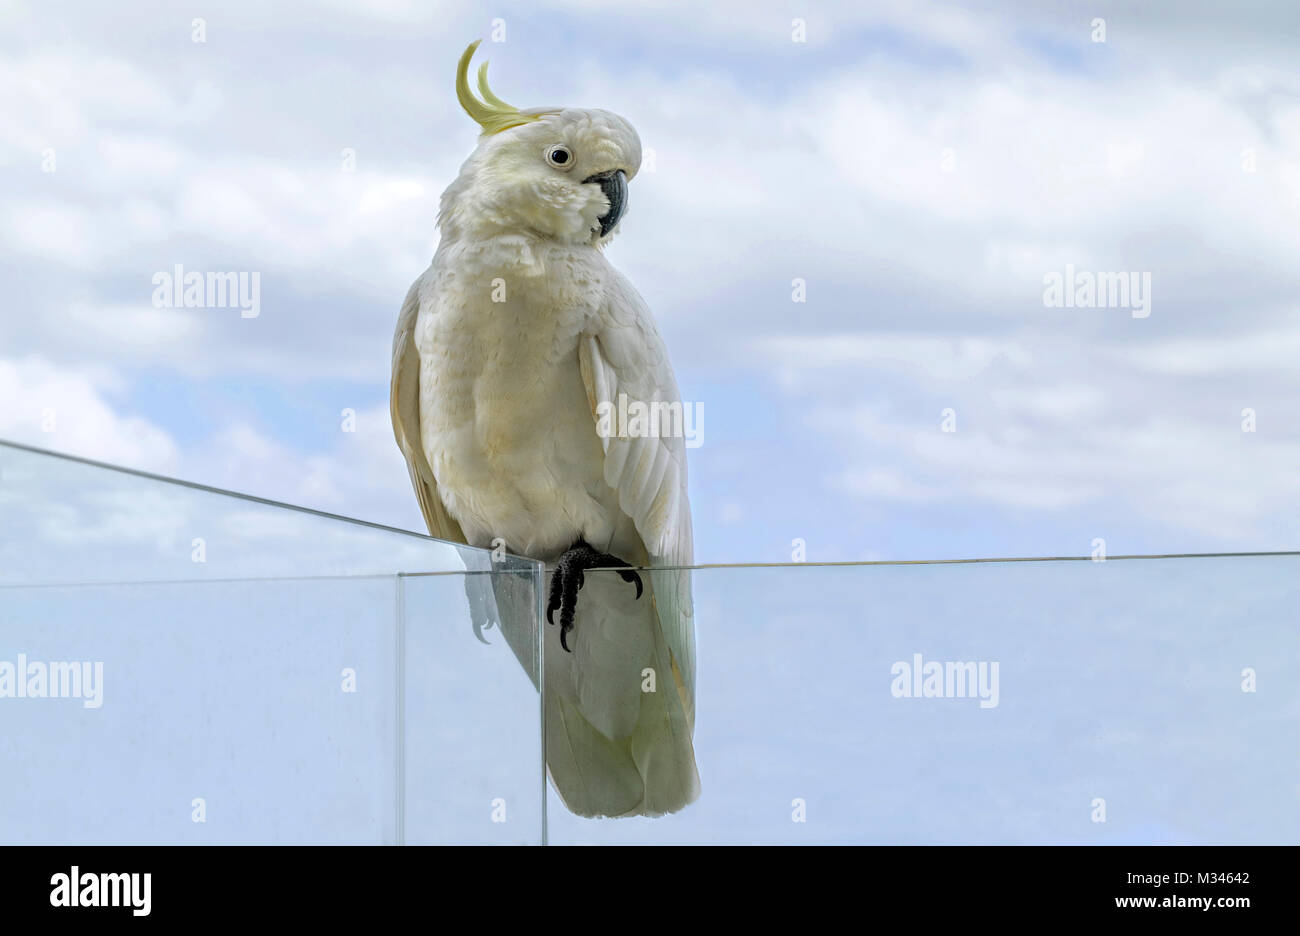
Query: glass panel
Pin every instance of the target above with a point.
(287, 676)
(280, 680)
(474, 772)
(1117, 690)
(68, 521)
(219, 701)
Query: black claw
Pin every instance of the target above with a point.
(569, 577)
(633, 577)
(571, 586)
(553, 601)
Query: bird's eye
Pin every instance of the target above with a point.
(559, 156)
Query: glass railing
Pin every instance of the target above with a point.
(179, 664)
(1131, 700)
(188, 665)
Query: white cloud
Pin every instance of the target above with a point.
(1171, 450)
(933, 357)
(361, 473)
(1273, 352)
(56, 408)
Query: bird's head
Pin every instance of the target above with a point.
(557, 173)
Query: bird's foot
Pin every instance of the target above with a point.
(567, 580)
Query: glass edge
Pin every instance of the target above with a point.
(523, 561)
(704, 567)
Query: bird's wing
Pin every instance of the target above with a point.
(404, 404)
(506, 599)
(627, 356)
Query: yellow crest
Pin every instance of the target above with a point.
(491, 113)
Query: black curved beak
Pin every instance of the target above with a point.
(614, 184)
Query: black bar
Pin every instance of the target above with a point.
(334, 884)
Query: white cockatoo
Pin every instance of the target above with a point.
(506, 349)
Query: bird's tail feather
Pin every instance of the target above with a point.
(650, 772)
(593, 775)
(662, 745)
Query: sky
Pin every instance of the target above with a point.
(914, 173)
(919, 168)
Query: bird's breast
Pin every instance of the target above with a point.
(505, 420)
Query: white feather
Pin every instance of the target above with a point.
(505, 348)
